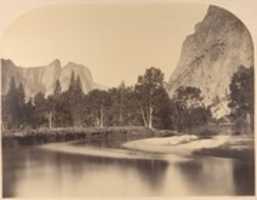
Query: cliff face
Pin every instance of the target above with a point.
(211, 55)
(43, 79)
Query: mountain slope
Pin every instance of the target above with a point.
(211, 55)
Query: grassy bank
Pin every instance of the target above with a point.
(46, 135)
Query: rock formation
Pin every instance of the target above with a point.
(43, 78)
(211, 55)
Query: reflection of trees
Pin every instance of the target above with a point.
(9, 177)
(192, 173)
(243, 176)
(152, 172)
(191, 170)
(206, 177)
(211, 176)
(36, 163)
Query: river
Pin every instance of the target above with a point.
(30, 171)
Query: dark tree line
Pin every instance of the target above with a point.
(188, 108)
(145, 104)
(242, 95)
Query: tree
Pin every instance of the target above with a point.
(45, 108)
(78, 86)
(188, 108)
(40, 109)
(10, 106)
(99, 101)
(39, 99)
(50, 110)
(131, 111)
(242, 94)
(14, 106)
(123, 109)
(30, 114)
(162, 119)
(21, 105)
(147, 91)
(58, 105)
(72, 82)
(117, 114)
(5, 113)
(63, 112)
(58, 89)
(189, 97)
(121, 100)
(54, 105)
(75, 97)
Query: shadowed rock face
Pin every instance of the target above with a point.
(43, 79)
(211, 55)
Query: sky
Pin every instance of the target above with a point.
(116, 42)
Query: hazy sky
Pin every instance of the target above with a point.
(116, 42)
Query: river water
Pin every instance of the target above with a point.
(29, 171)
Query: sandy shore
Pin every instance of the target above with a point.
(187, 145)
(172, 149)
(117, 153)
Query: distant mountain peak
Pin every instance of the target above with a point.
(6, 62)
(55, 62)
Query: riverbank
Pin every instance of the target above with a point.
(138, 139)
(240, 147)
(115, 135)
(75, 148)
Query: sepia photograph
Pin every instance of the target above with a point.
(136, 99)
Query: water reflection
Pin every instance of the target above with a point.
(243, 176)
(212, 174)
(33, 172)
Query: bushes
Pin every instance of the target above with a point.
(46, 135)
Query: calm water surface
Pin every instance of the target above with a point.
(34, 172)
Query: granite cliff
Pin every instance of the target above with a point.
(211, 55)
(43, 78)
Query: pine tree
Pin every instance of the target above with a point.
(58, 88)
(40, 109)
(72, 85)
(21, 105)
(99, 101)
(122, 89)
(11, 105)
(77, 103)
(78, 86)
(14, 106)
(74, 97)
(29, 113)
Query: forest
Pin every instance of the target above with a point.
(146, 103)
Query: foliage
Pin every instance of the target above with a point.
(145, 104)
(151, 95)
(188, 108)
(14, 106)
(74, 97)
(242, 94)
(99, 102)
